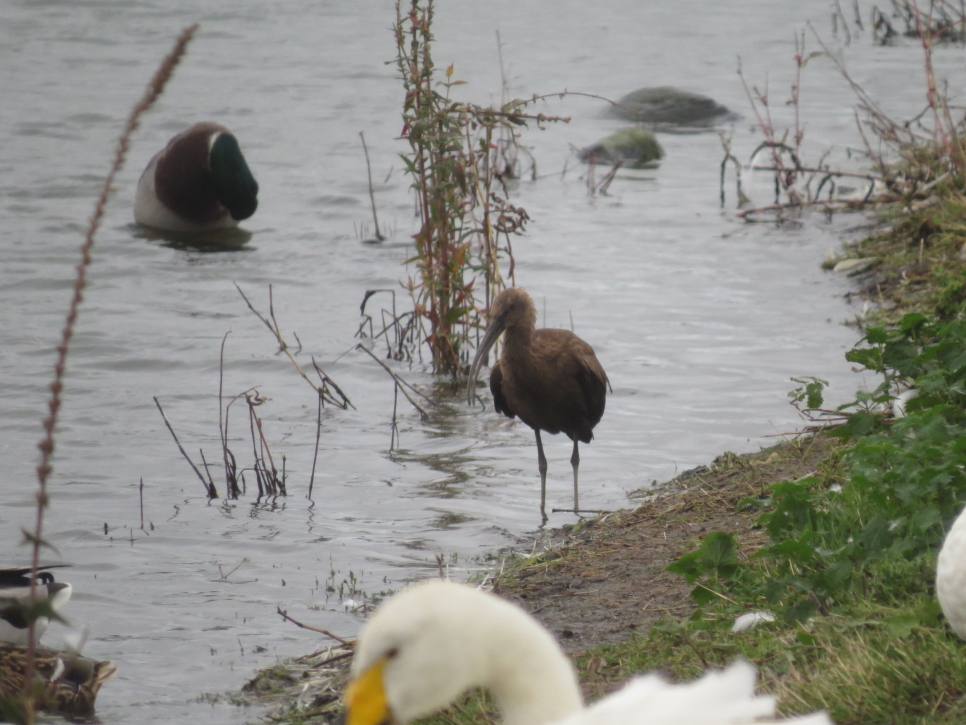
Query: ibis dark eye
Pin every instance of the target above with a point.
(391, 654)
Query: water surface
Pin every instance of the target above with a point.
(699, 319)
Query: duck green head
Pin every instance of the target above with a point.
(237, 188)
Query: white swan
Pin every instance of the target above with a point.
(951, 576)
(428, 644)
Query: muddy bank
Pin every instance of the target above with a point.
(607, 577)
(598, 582)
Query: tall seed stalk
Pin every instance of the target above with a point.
(25, 709)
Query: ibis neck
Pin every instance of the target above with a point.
(517, 341)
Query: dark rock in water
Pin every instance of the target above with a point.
(668, 107)
(632, 147)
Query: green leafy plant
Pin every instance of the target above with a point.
(838, 537)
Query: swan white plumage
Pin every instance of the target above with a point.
(428, 644)
(951, 576)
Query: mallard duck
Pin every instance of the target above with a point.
(49, 595)
(198, 182)
(951, 576)
(428, 644)
(71, 682)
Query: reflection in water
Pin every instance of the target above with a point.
(213, 240)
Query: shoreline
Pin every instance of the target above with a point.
(603, 589)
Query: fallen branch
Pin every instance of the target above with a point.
(345, 642)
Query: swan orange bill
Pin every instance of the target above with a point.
(365, 698)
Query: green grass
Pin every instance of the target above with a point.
(862, 667)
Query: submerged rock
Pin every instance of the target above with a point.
(632, 147)
(667, 107)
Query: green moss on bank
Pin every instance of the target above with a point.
(919, 263)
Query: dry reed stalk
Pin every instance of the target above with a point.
(209, 486)
(372, 196)
(266, 474)
(342, 402)
(404, 341)
(154, 90)
(227, 457)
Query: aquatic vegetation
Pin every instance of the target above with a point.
(631, 147)
(462, 159)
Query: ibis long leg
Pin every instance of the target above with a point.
(542, 465)
(575, 462)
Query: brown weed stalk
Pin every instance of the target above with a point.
(460, 166)
(154, 90)
(327, 389)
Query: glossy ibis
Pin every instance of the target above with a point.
(549, 378)
(428, 644)
(198, 182)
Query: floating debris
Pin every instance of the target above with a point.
(305, 689)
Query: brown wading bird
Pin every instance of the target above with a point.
(550, 379)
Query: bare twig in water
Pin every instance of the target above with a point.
(231, 467)
(726, 143)
(141, 497)
(609, 177)
(341, 402)
(315, 455)
(400, 383)
(265, 473)
(404, 338)
(209, 488)
(346, 642)
(372, 195)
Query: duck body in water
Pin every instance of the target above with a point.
(199, 182)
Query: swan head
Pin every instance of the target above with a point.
(427, 645)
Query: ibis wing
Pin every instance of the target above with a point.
(593, 383)
(496, 387)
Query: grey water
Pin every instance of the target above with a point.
(699, 318)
